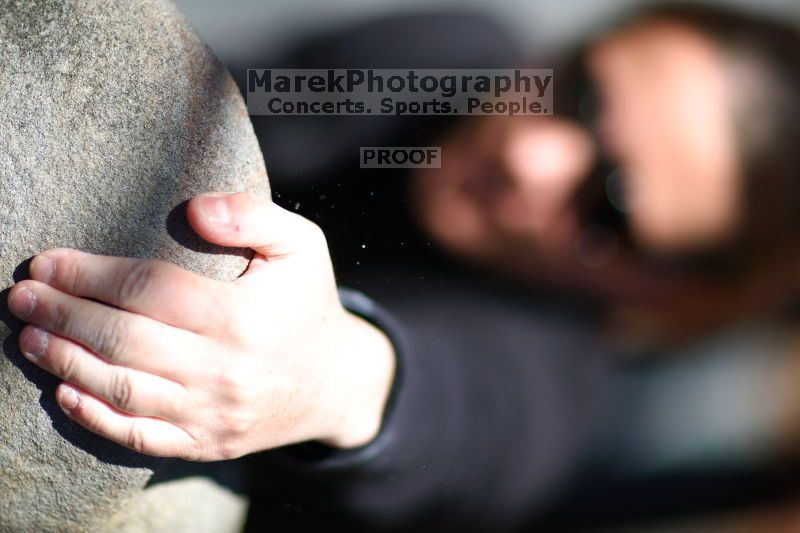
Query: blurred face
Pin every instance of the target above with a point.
(666, 118)
(505, 183)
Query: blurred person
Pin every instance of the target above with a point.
(468, 403)
(696, 190)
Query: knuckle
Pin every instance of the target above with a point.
(137, 281)
(231, 380)
(61, 318)
(245, 332)
(67, 365)
(305, 230)
(69, 270)
(120, 390)
(196, 451)
(231, 323)
(204, 447)
(237, 422)
(135, 438)
(314, 234)
(114, 338)
(226, 451)
(235, 416)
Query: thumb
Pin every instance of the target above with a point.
(249, 220)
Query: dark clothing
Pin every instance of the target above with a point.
(497, 391)
(493, 406)
(502, 395)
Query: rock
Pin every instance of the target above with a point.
(112, 115)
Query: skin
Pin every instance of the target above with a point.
(667, 117)
(505, 180)
(169, 363)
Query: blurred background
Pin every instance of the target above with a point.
(698, 295)
(238, 31)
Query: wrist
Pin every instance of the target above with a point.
(364, 367)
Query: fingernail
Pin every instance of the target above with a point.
(69, 398)
(42, 269)
(23, 303)
(215, 209)
(34, 345)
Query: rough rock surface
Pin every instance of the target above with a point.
(112, 114)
